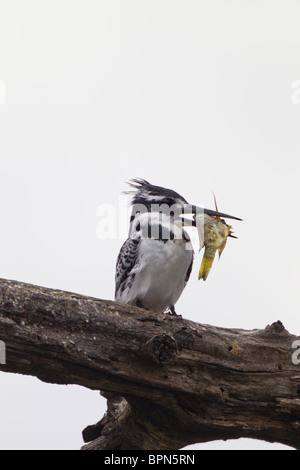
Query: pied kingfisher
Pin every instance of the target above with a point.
(155, 262)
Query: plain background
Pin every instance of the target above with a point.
(192, 95)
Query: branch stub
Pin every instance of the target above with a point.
(163, 348)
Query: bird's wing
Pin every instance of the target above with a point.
(125, 262)
(189, 271)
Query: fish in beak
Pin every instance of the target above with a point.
(213, 232)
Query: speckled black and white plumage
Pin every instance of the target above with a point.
(125, 263)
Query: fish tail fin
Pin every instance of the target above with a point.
(205, 267)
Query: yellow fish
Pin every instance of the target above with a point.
(213, 233)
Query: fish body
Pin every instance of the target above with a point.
(213, 233)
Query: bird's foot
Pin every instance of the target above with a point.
(173, 312)
(140, 305)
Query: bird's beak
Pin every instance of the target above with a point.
(195, 210)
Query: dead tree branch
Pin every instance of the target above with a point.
(169, 382)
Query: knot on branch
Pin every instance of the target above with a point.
(275, 329)
(163, 348)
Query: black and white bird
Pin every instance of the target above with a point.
(155, 262)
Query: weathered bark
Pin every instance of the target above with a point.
(169, 382)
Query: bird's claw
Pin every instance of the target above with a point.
(173, 313)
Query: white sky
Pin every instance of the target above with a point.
(192, 95)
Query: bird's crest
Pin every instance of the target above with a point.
(144, 191)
